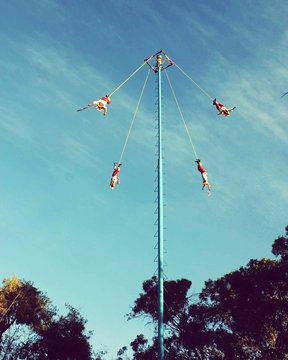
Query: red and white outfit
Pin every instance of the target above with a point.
(203, 172)
(116, 171)
(222, 109)
(204, 175)
(101, 103)
(115, 179)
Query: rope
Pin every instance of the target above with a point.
(124, 82)
(133, 119)
(194, 82)
(182, 117)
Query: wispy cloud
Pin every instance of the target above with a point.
(281, 187)
(78, 152)
(17, 126)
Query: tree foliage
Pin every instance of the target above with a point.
(280, 246)
(243, 315)
(65, 338)
(22, 304)
(31, 329)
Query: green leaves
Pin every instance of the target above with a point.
(242, 315)
(31, 329)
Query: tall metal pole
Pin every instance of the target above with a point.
(160, 226)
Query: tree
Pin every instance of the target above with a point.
(249, 307)
(176, 302)
(65, 338)
(13, 340)
(243, 315)
(121, 354)
(280, 246)
(22, 304)
(31, 329)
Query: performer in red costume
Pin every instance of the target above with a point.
(115, 180)
(222, 109)
(204, 175)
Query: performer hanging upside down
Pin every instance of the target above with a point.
(115, 180)
(204, 175)
(101, 104)
(222, 109)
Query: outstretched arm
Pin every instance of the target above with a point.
(85, 107)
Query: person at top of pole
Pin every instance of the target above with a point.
(222, 109)
(115, 180)
(159, 61)
(204, 175)
(101, 104)
(158, 64)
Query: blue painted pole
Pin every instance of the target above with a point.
(160, 229)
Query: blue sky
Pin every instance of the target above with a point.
(60, 224)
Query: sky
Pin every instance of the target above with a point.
(61, 226)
